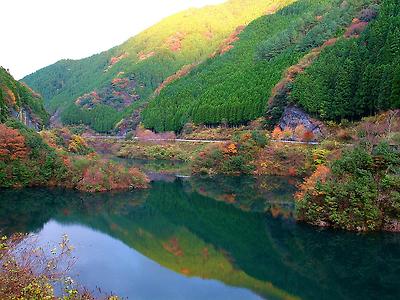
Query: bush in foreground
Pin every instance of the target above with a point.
(29, 271)
(360, 191)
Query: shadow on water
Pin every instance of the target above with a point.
(237, 230)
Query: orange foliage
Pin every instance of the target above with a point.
(12, 144)
(230, 149)
(309, 185)
(277, 134)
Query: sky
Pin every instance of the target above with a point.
(37, 33)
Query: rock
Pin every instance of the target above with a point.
(294, 116)
(27, 118)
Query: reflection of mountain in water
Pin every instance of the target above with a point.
(182, 227)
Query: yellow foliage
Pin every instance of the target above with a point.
(77, 144)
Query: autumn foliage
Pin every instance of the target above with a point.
(12, 144)
(309, 185)
(96, 175)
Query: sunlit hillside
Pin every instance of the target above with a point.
(100, 90)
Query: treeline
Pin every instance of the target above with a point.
(356, 77)
(149, 58)
(234, 88)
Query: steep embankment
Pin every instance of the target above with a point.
(19, 101)
(103, 88)
(235, 86)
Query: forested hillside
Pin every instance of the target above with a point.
(19, 101)
(234, 88)
(143, 63)
(356, 77)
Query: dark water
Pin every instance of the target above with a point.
(221, 238)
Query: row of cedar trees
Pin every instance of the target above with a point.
(235, 87)
(356, 77)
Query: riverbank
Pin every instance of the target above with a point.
(59, 158)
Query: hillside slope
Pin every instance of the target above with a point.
(234, 88)
(19, 101)
(107, 86)
(356, 76)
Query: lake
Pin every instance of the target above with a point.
(206, 238)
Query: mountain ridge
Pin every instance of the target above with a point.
(146, 59)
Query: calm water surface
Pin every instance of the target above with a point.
(220, 238)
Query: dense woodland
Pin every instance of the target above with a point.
(356, 77)
(150, 57)
(235, 87)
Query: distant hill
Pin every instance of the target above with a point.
(102, 89)
(20, 102)
(235, 87)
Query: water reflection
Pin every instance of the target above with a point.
(221, 238)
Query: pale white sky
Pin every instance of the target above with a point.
(36, 33)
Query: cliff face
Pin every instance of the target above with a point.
(20, 102)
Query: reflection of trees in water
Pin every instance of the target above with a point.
(251, 247)
(263, 193)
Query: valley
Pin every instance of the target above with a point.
(242, 150)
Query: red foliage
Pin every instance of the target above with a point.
(308, 136)
(277, 134)
(12, 144)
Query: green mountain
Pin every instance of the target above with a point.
(19, 101)
(105, 87)
(236, 86)
(356, 76)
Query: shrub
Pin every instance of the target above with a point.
(361, 193)
(28, 271)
